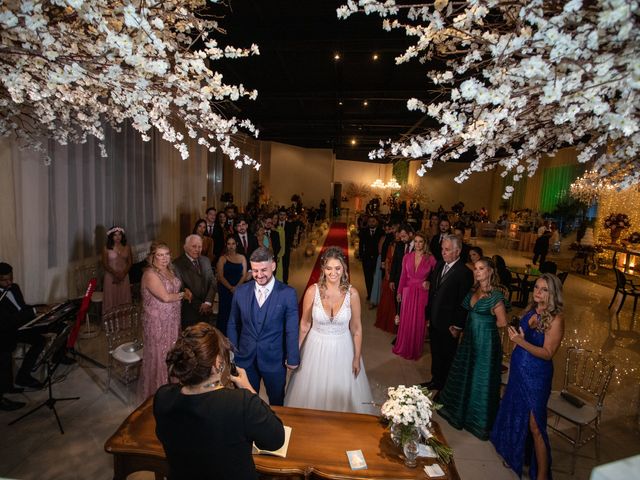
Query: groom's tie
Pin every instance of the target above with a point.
(261, 295)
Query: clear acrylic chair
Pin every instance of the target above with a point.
(580, 403)
(122, 328)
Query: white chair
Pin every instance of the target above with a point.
(122, 330)
(581, 400)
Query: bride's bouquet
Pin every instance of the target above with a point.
(409, 410)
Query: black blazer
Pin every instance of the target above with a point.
(252, 244)
(11, 318)
(202, 285)
(396, 263)
(446, 295)
(274, 236)
(435, 247)
(368, 247)
(209, 436)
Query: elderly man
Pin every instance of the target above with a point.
(450, 282)
(196, 274)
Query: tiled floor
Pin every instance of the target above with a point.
(34, 448)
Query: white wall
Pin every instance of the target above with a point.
(305, 171)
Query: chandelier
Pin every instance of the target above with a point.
(589, 187)
(378, 184)
(393, 184)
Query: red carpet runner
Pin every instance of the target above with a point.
(337, 237)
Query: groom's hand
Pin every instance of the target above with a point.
(290, 367)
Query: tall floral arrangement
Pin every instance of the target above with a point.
(522, 78)
(617, 222)
(67, 67)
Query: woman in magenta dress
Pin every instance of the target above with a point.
(161, 297)
(117, 261)
(413, 295)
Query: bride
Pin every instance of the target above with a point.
(331, 375)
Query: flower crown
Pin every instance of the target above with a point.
(114, 230)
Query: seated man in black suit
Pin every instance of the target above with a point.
(14, 313)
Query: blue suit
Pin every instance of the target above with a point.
(265, 337)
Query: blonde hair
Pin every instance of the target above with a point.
(153, 249)
(334, 253)
(426, 243)
(555, 304)
(493, 281)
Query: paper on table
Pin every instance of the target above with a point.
(426, 451)
(281, 452)
(433, 470)
(356, 460)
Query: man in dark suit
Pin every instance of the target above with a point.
(210, 218)
(266, 312)
(196, 274)
(368, 250)
(402, 248)
(435, 245)
(273, 236)
(246, 242)
(450, 282)
(290, 227)
(14, 313)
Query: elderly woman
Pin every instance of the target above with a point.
(523, 411)
(207, 428)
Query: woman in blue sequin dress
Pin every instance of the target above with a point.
(523, 410)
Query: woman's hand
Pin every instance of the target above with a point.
(399, 298)
(242, 381)
(188, 295)
(355, 367)
(516, 336)
(425, 285)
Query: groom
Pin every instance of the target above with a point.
(263, 326)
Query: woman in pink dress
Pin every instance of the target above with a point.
(413, 295)
(161, 297)
(116, 260)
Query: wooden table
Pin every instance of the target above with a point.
(629, 252)
(317, 447)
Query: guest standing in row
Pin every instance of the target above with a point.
(368, 251)
(449, 283)
(200, 229)
(475, 254)
(331, 374)
(435, 246)
(207, 430)
(471, 394)
(161, 297)
(116, 260)
(523, 410)
(413, 295)
(386, 312)
(231, 272)
(195, 274)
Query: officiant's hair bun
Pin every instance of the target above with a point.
(195, 352)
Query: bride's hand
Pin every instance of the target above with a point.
(355, 367)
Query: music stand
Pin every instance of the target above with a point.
(51, 365)
(80, 316)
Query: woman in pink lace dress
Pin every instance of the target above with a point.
(413, 295)
(161, 296)
(116, 260)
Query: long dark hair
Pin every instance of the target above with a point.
(111, 232)
(195, 227)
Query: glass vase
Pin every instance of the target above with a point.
(410, 448)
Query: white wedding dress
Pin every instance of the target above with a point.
(324, 380)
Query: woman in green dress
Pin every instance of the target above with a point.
(471, 394)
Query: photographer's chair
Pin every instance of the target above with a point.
(580, 403)
(122, 329)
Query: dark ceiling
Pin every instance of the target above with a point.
(306, 97)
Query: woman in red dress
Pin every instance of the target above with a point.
(385, 316)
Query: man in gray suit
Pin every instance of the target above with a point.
(196, 274)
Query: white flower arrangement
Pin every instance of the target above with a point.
(68, 67)
(519, 79)
(411, 408)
